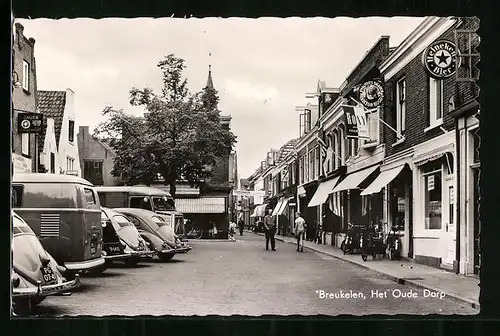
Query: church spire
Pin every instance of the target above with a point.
(210, 83)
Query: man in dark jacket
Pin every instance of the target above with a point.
(270, 230)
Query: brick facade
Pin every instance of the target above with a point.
(23, 49)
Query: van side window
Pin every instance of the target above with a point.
(139, 203)
(89, 196)
(49, 195)
(17, 195)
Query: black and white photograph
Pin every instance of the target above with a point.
(235, 166)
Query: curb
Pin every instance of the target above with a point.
(401, 281)
(211, 240)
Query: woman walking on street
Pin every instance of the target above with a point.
(241, 224)
(299, 230)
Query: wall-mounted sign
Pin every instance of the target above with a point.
(29, 122)
(284, 174)
(430, 182)
(371, 94)
(356, 124)
(440, 59)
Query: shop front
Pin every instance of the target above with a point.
(305, 193)
(434, 194)
(360, 209)
(393, 187)
(468, 170)
(320, 200)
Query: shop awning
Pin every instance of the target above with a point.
(352, 181)
(262, 210)
(382, 180)
(201, 205)
(254, 214)
(301, 191)
(276, 208)
(321, 194)
(283, 207)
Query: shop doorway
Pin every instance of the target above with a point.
(449, 234)
(477, 259)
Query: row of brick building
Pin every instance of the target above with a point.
(396, 145)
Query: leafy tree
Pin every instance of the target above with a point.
(180, 135)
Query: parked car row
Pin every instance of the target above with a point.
(61, 230)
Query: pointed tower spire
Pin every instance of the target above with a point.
(210, 83)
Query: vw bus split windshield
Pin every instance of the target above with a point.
(163, 204)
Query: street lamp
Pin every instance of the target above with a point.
(15, 80)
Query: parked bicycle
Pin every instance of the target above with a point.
(393, 244)
(352, 239)
(372, 243)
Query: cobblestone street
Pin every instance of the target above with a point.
(226, 278)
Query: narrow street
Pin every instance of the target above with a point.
(242, 278)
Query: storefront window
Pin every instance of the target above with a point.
(433, 200)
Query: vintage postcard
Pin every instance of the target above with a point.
(272, 166)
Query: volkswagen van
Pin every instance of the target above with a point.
(64, 212)
(141, 197)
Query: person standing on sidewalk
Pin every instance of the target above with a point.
(270, 230)
(241, 224)
(299, 230)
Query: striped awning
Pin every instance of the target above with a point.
(201, 205)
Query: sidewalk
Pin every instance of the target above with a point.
(461, 288)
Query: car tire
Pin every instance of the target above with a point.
(165, 257)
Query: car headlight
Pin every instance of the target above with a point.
(16, 281)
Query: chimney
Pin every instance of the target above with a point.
(19, 28)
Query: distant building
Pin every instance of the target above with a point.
(96, 159)
(59, 118)
(24, 99)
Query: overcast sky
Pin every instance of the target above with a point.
(262, 68)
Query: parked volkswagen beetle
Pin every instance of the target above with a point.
(131, 243)
(35, 274)
(148, 224)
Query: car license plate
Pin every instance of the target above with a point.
(114, 249)
(48, 275)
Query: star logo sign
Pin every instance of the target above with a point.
(442, 59)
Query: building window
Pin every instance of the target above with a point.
(433, 200)
(312, 165)
(52, 163)
(435, 101)
(25, 143)
(475, 146)
(341, 146)
(26, 76)
(301, 170)
(329, 160)
(372, 120)
(306, 167)
(70, 164)
(353, 147)
(71, 135)
(317, 162)
(401, 106)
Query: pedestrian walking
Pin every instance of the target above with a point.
(270, 230)
(299, 230)
(241, 225)
(232, 230)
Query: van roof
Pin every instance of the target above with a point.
(133, 190)
(49, 178)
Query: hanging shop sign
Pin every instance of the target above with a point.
(284, 174)
(371, 94)
(440, 59)
(29, 122)
(356, 124)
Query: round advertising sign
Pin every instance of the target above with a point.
(440, 59)
(25, 124)
(371, 94)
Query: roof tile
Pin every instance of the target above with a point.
(51, 104)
